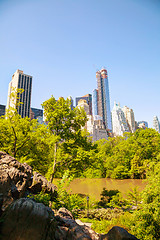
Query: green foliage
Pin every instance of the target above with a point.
(134, 196)
(147, 219)
(67, 199)
(106, 197)
(100, 214)
(41, 198)
(131, 156)
(73, 149)
(123, 220)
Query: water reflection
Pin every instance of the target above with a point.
(94, 187)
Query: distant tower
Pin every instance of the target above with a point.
(103, 98)
(156, 124)
(22, 81)
(95, 103)
(119, 123)
(129, 115)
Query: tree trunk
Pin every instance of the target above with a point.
(55, 161)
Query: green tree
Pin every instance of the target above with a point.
(66, 125)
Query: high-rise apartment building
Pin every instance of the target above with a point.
(119, 123)
(129, 115)
(88, 98)
(21, 81)
(156, 124)
(102, 98)
(95, 102)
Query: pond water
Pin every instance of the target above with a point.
(94, 187)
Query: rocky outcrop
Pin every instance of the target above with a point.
(17, 180)
(118, 233)
(39, 182)
(15, 177)
(25, 219)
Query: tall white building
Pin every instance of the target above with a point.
(94, 126)
(21, 81)
(119, 123)
(129, 115)
(156, 124)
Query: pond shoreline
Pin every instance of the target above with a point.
(93, 187)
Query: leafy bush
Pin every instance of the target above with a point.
(99, 214)
(67, 199)
(103, 226)
(41, 198)
(106, 197)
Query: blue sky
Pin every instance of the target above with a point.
(62, 43)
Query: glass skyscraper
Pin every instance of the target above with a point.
(21, 81)
(101, 101)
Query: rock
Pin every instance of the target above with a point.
(75, 231)
(26, 219)
(118, 233)
(63, 212)
(1, 203)
(39, 182)
(15, 178)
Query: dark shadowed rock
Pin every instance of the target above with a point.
(15, 177)
(1, 203)
(27, 220)
(39, 182)
(118, 233)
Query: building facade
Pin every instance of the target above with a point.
(2, 110)
(21, 81)
(102, 98)
(129, 115)
(88, 98)
(35, 113)
(119, 123)
(94, 125)
(95, 102)
(142, 124)
(156, 124)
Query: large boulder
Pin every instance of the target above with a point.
(15, 178)
(118, 233)
(40, 183)
(26, 219)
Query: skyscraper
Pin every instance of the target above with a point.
(119, 122)
(129, 115)
(156, 124)
(95, 102)
(102, 98)
(21, 81)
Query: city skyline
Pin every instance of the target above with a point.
(63, 44)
